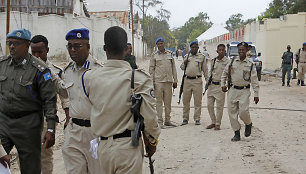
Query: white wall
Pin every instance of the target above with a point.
(55, 27)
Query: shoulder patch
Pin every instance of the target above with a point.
(3, 58)
(67, 66)
(39, 64)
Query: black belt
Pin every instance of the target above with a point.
(126, 133)
(193, 77)
(287, 63)
(241, 87)
(81, 122)
(215, 83)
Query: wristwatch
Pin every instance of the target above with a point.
(51, 130)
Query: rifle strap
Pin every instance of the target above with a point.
(229, 70)
(212, 69)
(132, 79)
(251, 71)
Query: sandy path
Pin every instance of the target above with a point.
(277, 143)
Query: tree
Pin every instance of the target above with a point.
(234, 21)
(192, 29)
(278, 8)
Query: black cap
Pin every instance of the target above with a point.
(243, 44)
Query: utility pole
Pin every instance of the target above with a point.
(8, 11)
(143, 18)
(132, 16)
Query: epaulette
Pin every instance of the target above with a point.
(96, 61)
(168, 51)
(143, 72)
(39, 64)
(155, 52)
(3, 58)
(67, 66)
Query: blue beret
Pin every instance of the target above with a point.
(82, 33)
(20, 34)
(194, 42)
(161, 39)
(243, 44)
(304, 43)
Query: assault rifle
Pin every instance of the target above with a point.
(183, 79)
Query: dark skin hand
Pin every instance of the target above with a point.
(256, 100)
(174, 85)
(7, 159)
(49, 139)
(224, 88)
(149, 148)
(67, 117)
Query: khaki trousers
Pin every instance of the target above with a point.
(163, 94)
(46, 155)
(215, 94)
(118, 156)
(192, 87)
(302, 71)
(76, 155)
(238, 104)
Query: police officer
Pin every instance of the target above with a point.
(301, 54)
(130, 58)
(163, 72)
(109, 90)
(27, 93)
(241, 72)
(214, 92)
(78, 133)
(40, 49)
(194, 66)
(4, 158)
(287, 62)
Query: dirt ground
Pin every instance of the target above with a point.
(277, 143)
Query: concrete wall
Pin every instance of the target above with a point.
(270, 37)
(55, 27)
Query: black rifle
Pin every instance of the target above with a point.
(229, 80)
(151, 165)
(210, 77)
(183, 79)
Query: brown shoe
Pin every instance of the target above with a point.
(210, 126)
(168, 123)
(217, 127)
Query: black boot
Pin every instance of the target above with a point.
(237, 136)
(248, 129)
(283, 83)
(302, 83)
(288, 84)
(298, 83)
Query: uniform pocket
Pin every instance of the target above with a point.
(26, 89)
(246, 75)
(2, 81)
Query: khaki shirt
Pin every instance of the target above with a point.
(79, 105)
(109, 90)
(218, 68)
(26, 88)
(302, 56)
(240, 73)
(2, 151)
(162, 67)
(58, 82)
(197, 65)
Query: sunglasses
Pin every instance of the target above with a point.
(15, 43)
(75, 46)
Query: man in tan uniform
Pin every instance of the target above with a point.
(195, 65)
(241, 73)
(4, 158)
(301, 53)
(109, 90)
(78, 133)
(214, 93)
(40, 49)
(163, 72)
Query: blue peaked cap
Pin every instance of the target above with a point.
(194, 42)
(81, 33)
(160, 39)
(20, 34)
